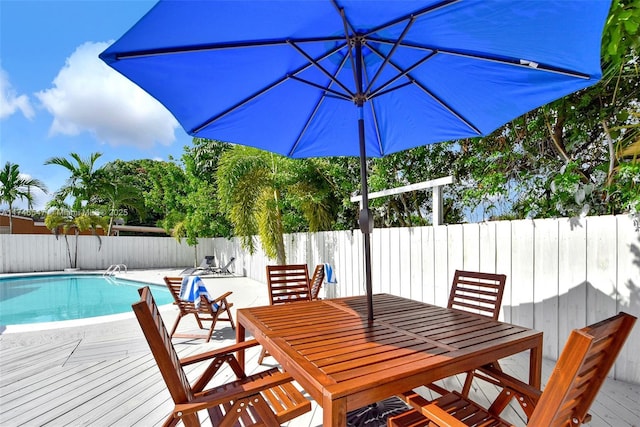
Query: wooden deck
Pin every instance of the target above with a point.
(103, 375)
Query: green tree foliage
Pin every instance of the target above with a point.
(119, 198)
(184, 196)
(84, 181)
(343, 176)
(622, 32)
(261, 193)
(568, 157)
(83, 187)
(14, 186)
(168, 190)
(203, 216)
(95, 192)
(64, 219)
(409, 167)
(136, 179)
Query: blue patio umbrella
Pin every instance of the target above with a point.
(312, 78)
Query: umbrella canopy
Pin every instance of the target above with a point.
(358, 78)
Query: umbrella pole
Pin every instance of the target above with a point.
(366, 223)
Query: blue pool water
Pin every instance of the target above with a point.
(36, 299)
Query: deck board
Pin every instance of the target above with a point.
(108, 377)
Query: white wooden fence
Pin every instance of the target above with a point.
(40, 252)
(561, 273)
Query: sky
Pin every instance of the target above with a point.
(57, 97)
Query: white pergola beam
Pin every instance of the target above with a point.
(436, 184)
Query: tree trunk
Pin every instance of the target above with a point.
(110, 225)
(281, 256)
(10, 219)
(66, 240)
(75, 261)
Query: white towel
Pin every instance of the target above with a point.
(329, 276)
(191, 289)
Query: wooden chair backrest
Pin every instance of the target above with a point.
(316, 281)
(477, 292)
(288, 283)
(174, 284)
(580, 371)
(160, 344)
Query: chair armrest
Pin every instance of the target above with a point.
(440, 417)
(233, 391)
(217, 358)
(219, 352)
(222, 297)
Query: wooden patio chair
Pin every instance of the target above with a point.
(580, 371)
(267, 398)
(287, 284)
(316, 281)
(479, 293)
(208, 311)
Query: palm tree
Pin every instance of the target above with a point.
(119, 196)
(62, 219)
(252, 187)
(13, 186)
(85, 180)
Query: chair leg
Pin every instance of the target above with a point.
(440, 390)
(214, 319)
(467, 385)
(198, 320)
(175, 324)
(466, 388)
(504, 398)
(233, 325)
(170, 421)
(210, 333)
(190, 420)
(263, 354)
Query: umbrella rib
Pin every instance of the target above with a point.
(425, 90)
(346, 24)
(413, 15)
(392, 89)
(376, 127)
(237, 105)
(523, 63)
(449, 108)
(218, 46)
(260, 92)
(315, 110)
(403, 73)
(319, 86)
(321, 68)
(391, 52)
(515, 62)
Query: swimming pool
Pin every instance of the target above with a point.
(51, 298)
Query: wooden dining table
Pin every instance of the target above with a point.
(344, 362)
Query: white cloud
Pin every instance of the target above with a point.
(10, 101)
(88, 96)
